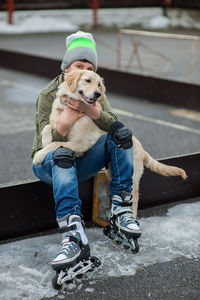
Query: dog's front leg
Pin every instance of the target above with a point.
(47, 135)
(41, 154)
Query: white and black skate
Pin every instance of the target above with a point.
(74, 257)
(123, 227)
(77, 270)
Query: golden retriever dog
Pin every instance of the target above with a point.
(88, 87)
(85, 86)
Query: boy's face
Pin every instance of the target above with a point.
(80, 65)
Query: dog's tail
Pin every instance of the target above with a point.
(162, 169)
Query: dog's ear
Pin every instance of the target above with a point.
(102, 90)
(72, 79)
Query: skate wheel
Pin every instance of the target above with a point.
(55, 284)
(106, 230)
(95, 261)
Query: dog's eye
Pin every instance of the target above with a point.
(99, 84)
(88, 80)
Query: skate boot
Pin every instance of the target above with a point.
(123, 228)
(74, 258)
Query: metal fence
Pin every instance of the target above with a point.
(151, 53)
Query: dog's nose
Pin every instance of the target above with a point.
(97, 94)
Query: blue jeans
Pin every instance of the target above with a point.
(65, 181)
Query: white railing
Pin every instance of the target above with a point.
(135, 53)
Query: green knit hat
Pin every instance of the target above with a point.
(80, 46)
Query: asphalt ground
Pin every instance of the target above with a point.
(174, 280)
(164, 130)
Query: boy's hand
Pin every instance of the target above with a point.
(67, 118)
(91, 110)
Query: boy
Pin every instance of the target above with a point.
(63, 170)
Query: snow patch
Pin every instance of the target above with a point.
(73, 19)
(184, 18)
(69, 20)
(89, 290)
(26, 275)
(31, 22)
(158, 22)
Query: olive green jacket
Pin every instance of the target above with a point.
(43, 110)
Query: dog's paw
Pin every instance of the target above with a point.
(39, 157)
(37, 160)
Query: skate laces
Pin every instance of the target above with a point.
(69, 246)
(127, 218)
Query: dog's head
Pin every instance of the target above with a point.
(83, 85)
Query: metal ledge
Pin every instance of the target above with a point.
(29, 207)
(156, 189)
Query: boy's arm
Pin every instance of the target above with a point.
(44, 106)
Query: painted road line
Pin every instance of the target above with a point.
(156, 121)
(186, 113)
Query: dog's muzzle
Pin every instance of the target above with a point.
(96, 96)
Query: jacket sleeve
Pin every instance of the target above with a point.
(107, 117)
(44, 106)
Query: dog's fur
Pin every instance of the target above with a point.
(79, 85)
(82, 85)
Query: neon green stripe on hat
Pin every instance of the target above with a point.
(81, 42)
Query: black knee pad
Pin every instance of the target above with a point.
(121, 135)
(64, 157)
